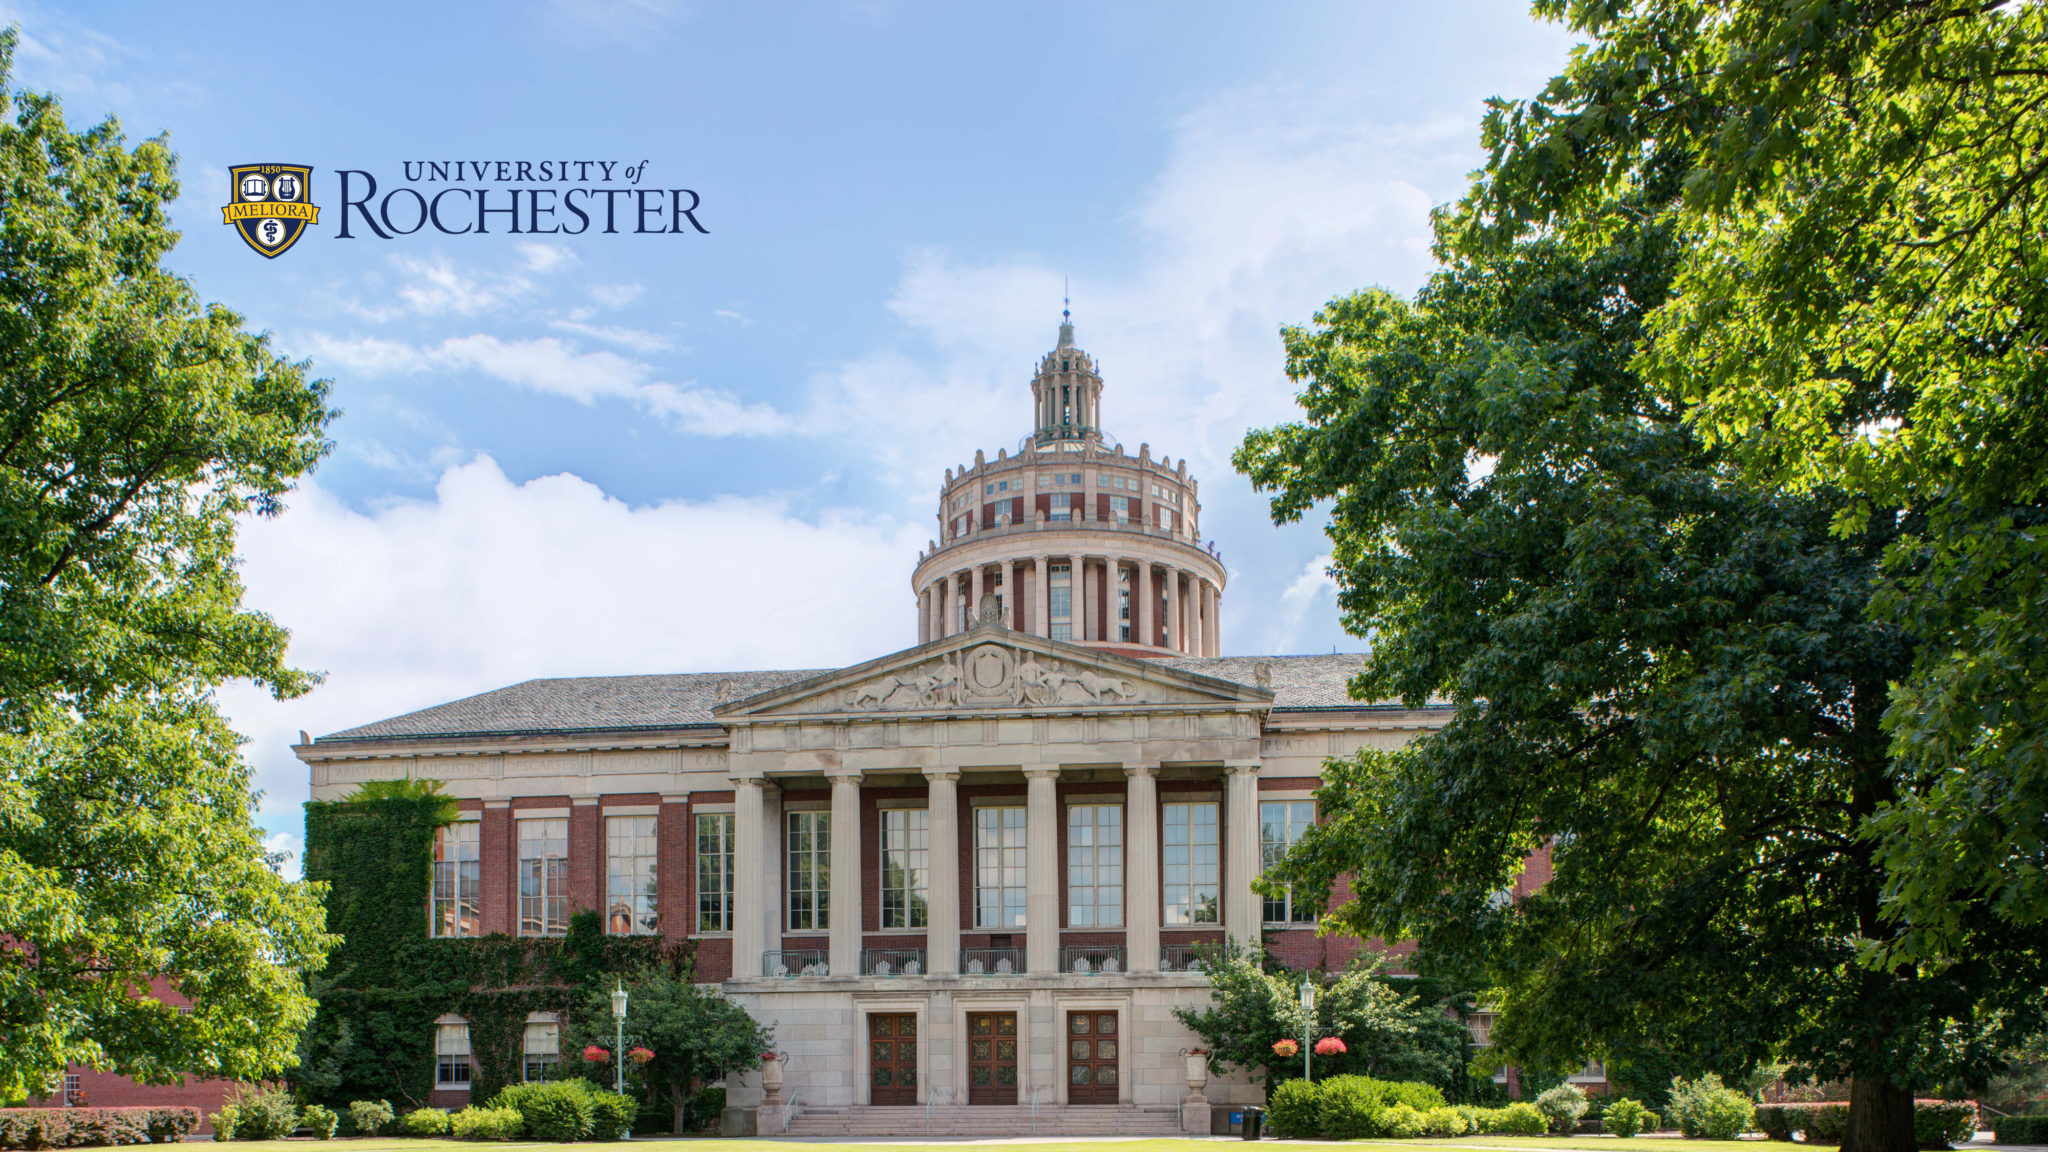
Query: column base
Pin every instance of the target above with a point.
(1194, 1117)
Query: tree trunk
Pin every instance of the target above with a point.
(681, 1103)
(1880, 1117)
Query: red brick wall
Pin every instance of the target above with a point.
(496, 848)
(586, 859)
(714, 959)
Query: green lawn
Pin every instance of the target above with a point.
(1465, 1144)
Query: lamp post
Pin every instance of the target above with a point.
(1308, 1021)
(619, 1042)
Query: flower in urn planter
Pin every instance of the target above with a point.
(1329, 1046)
(597, 1054)
(1286, 1048)
(767, 1057)
(640, 1055)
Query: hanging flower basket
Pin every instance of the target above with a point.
(1287, 1048)
(640, 1055)
(1329, 1046)
(597, 1054)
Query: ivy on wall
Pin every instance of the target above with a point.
(387, 981)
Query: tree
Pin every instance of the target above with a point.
(136, 427)
(1663, 667)
(1860, 308)
(696, 1034)
(1388, 1032)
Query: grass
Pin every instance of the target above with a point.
(1166, 1144)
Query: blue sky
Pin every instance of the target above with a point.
(609, 454)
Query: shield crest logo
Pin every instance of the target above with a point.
(271, 205)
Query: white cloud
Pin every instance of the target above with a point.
(490, 582)
(733, 315)
(633, 339)
(615, 295)
(557, 367)
(540, 256)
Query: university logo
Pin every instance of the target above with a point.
(272, 205)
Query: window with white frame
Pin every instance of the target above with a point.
(906, 867)
(999, 882)
(1165, 517)
(1060, 601)
(451, 1055)
(1281, 824)
(1060, 506)
(543, 1048)
(629, 868)
(1120, 509)
(810, 871)
(73, 1085)
(458, 907)
(1480, 1025)
(543, 877)
(714, 871)
(1095, 866)
(1123, 603)
(1188, 840)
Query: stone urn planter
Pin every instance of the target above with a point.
(1198, 1073)
(771, 1081)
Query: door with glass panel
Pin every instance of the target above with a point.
(1091, 1057)
(892, 1058)
(991, 1057)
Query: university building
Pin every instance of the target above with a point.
(970, 878)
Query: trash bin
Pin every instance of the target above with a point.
(1254, 1119)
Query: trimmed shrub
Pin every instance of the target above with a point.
(370, 1116)
(224, 1122)
(1349, 1108)
(1400, 1122)
(1474, 1117)
(88, 1127)
(475, 1123)
(1627, 1117)
(611, 1115)
(1706, 1108)
(1294, 1108)
(1562, 1106)
(1520, 1118)
(262, 1113)
(322, 1121)
(1445, 1121)
(2020, 1129)
(557, 1111)
(425, 1123)
(1942, 1123)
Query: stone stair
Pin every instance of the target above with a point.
(990, 1120)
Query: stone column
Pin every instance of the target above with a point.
(1176, 637)
(1212, 632)
(1086, 596)
(1241, 906)
(942, 924)
(1013, 594)
(1112, 566)
(974, 596)
(1141, 867)
(750, 871)
(1041, 592)
(1141, 588)
(924, 616)
(845, 914)
(1041, 871)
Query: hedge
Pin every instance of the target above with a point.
(88, 1127)
(1936, 1123)
(2020, 1129)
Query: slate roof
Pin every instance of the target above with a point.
(685, 700)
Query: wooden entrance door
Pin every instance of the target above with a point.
(892, 1058)
(1091, 1058)
(991, 1057)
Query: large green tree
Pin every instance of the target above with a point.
(697, 1035)
(1859, 307)
(137, 426)
(1663, 667)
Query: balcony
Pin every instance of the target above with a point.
(793, 963)
(1091, 959)
(892, 962)
(1028, 526)
(1187, 957)
(991, 961)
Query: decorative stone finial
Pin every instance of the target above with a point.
(726, 690)
(1262, 674)
(990, 613)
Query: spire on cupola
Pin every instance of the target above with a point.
(1066, 317)
(1066, 394)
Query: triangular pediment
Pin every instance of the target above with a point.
(992, 668)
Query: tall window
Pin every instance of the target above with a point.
(1060, 598)
(543, 1048)
(810, 871)
(906, 867)
(1120, 509)
(1095, 866)
(1123, 603)
(1061, 507)
(1281, 823)
(1189, 841)
(458, 910)
(999, 867)
(543, 877)
(714, 872)
(451, 1055)
(629, 860)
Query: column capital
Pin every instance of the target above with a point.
(1042, 772)
(751, 782)
(936, 775)
(1242, 767)
(1147, 770)
(843, 775)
